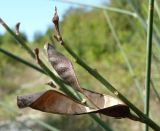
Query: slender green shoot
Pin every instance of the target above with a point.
(149, 58)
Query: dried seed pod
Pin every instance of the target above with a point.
(62, 66)
(52, 101)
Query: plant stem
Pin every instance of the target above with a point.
(148, 58)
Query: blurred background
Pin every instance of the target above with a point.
(109, 35)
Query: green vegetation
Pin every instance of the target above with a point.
(87, 32)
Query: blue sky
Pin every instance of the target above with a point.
(34, 15)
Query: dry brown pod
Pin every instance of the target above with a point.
(52, 101)
(62, 66)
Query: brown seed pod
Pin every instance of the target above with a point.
(52, 101)
(62, 66)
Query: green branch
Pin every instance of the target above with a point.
(148, 58)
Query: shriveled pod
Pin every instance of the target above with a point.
(52, 101)
(62, 66)
(107, 103)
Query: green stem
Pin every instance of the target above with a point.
(126, 12)
(95, 74)
(148, 58)
(131, 71)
